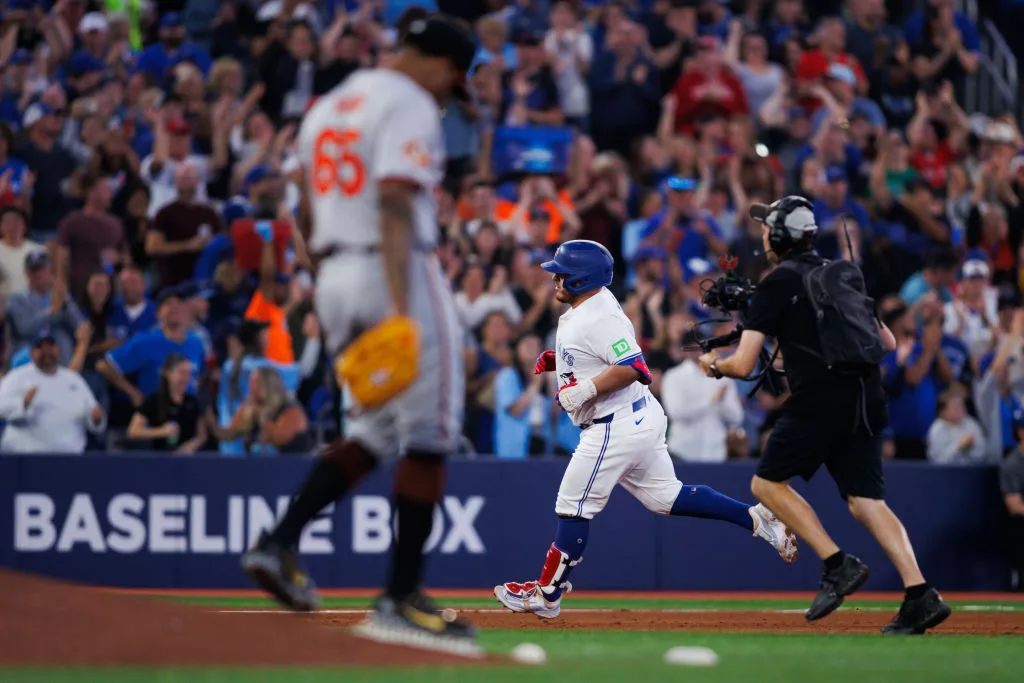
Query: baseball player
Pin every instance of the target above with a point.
(373, 154)
(603, 386)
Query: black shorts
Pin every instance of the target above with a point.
(798, 446)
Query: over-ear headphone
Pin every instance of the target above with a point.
(788, 220)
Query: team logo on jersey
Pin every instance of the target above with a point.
(417, 153)
(349, 104)
(569, 377)
(620, 348)
(566, 356)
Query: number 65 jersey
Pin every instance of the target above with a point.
(377, 125)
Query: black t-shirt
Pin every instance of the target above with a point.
(186, 414)
(780, 309)
(52, 169)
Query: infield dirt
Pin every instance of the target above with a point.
(48, 623)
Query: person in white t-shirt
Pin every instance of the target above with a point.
(48, 408)
(13, 250)
(172, 147)
(973, 316)
(603, 381)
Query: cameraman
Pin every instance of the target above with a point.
(832, 418)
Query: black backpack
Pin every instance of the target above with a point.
(844, 313)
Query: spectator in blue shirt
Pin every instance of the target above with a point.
(258, 187)
(144, 354)
(841, 100)
(914, 375)
(714, 18)
(937, 277)
(158, 59)
(832, 147)
(915, 26)
(494, 46)
(522, 409)
(246, 349)
(683, 227)
(834, 204)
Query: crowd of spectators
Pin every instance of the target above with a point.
(157, 294)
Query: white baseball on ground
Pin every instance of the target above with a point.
(529, 653)
(691, 656)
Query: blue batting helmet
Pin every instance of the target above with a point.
(587, 265)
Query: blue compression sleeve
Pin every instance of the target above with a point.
(705, 502)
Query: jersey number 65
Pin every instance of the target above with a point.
(335, 166)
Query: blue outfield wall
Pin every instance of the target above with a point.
(182, 522)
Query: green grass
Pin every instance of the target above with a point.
(604, 657)
(583, 656)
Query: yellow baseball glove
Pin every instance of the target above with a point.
(381, 362)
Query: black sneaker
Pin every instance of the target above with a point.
(280, 572)
(918, 615)
(836, 585)
(418, 622)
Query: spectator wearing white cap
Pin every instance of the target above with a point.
(93, 30)
(972, 315)
(52, 165)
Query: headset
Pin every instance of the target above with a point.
(788, 219)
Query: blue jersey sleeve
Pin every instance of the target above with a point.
(131, 356)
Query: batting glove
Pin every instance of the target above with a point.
(573, 396)
(545, 362)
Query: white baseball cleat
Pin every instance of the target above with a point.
(771, 528)
(527, 597)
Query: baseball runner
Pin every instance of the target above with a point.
(603, 386)
(373, 154)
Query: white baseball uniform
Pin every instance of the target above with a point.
(623, 438)
(381, 125)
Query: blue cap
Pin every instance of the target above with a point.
(194, 290)
(258, 173)
(21, 56)
(171, 20)
(170, 293)
(45, 334)
(680, 184)
(835, 173)
(83, 63)
(36, 259)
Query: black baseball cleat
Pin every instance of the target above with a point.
(918, 615)
(417, 621)
(280, 572)
(836, 585)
